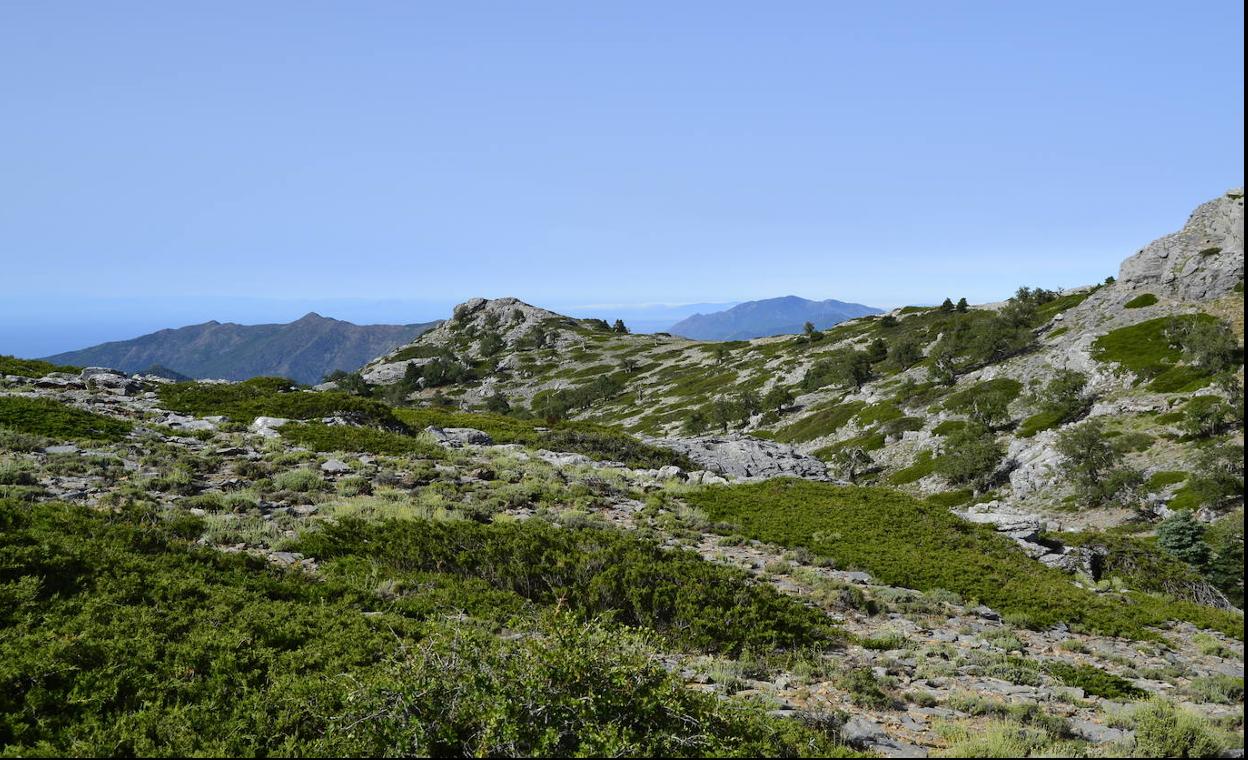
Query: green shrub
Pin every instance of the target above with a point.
(864, 689)
(121, 638)
(877, 413)
(924, 465)
(986, 402)
(1218, 688)
(1094, 681)
(1164, 730)
(970, 456)
(1140, 301)
(592, 571)
(300, 481)
(921, 545)
(948, 426)
(52, 419)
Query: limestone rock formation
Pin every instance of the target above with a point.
(1203, 260)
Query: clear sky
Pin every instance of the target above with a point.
(163, 163)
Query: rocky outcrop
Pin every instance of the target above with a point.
(740, 456)
(452, 437)
(1203, 260)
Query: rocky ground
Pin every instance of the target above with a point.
(920, 669)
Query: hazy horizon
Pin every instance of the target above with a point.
(168, 164)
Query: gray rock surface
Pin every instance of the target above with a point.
(456, 437)
(1203, 260)
(740, 456)
(267, 426)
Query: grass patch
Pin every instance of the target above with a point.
(921, 545)
(52, 419)
(1140, 301)
(1039, 422)
(1162, 478)
(823, 422)
(877, 413)
(924, 465)
(963, 402)
(1143, 348)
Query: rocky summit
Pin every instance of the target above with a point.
(962, 530)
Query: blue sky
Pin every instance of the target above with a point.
(164, 163)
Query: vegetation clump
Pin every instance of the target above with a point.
(11, 365)
(271, 397)
(122, 637)
(52, 419)
(921, 545)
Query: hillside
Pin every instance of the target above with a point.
(523, 534)
(772, 316)
(882, 397)
(304, 350)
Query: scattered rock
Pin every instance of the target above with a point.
(456, 437)
(267, 426)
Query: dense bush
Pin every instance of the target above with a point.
(52, 419)
(121, 638)
(592, 571)
(1141, 564)
(842, 368)
(970, 456)
(572, 690)
(987, 402)
(1164, 730)
(271, 397)
(1094, 681)
(1092, 463)
(921, 545)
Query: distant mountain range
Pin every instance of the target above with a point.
(304, 350)
(772, 316)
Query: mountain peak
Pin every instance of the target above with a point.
(769, 316)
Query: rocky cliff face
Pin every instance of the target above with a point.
(1203, 260)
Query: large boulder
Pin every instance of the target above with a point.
(1203, 260)
(456, 437)
(740, 456)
